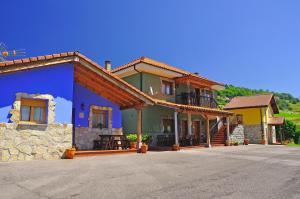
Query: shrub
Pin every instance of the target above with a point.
(132, 137)
(289, 129)
(297, 137)
(146, 138)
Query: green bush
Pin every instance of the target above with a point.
(297, 137)
(132, 137)
(146, 138)
(289, 129)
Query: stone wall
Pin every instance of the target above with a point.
(84, 136)
(253, 133)
(28, 142)
(238, 134)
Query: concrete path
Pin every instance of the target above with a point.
(252, 171)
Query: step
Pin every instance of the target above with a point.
(102, 152)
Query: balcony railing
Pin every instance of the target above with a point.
(195, 99)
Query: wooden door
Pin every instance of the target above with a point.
(184, 128)
(196, 129)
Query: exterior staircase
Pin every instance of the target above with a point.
(220, 137)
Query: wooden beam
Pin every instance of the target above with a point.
(112, 97)
(105, 83)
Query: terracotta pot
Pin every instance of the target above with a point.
(175, 147)
(144, 148)
(227, 143)
(246, 141)
(132, 145)
(70, 153)
(263, 142)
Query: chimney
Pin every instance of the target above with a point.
(107, 65)
(196, 73)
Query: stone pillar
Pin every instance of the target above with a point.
(176, 127)
(139, 128)
(207, 133)
(228, 128)
(190, 127)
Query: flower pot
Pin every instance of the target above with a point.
(175, 147)
(227, 143)
(263, 142)
(246, 141)
(144, 148)
(132, 145)
(70, 153)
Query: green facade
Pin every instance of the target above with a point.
(152, 116)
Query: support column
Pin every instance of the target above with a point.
(139, 128)
(176, 127)
(207, 133)
(228, 129)
(190, 127)
(280, 133)
(189, 92)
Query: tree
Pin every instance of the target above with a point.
(289, 129)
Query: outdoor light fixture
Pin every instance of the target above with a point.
(82, 106)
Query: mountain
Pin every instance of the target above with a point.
(289, 105)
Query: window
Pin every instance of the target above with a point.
(99, 119)
(168, 125)
(167, 88)
(33, 111)
(239, 119)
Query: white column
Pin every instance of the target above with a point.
(176, 127)
(190, 127)
(207, 133)
(228, 128)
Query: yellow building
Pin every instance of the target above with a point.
(257, 115)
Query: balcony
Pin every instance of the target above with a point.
(195, 99)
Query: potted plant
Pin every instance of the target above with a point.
(236, 143)
(246, 141)
(132, 138)
(175, 147)
(227, 143)
(70, 153)
(146, 140)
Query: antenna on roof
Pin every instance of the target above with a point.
(4, 53)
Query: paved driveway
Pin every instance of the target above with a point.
(225, 172)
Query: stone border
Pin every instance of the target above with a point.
(50, 112)
(100, 108)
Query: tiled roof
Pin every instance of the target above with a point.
(249, 101)
(193, 108)
(160, 65)
(276, 120)
(45, 58)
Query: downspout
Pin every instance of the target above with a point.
(141, 89)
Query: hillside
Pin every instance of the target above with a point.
(289, 106)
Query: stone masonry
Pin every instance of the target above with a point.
(21, 141)
(84, 136)
(238, 134)
(253, 133)
(28, 142)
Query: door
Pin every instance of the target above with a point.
(196, 131)
(184, 129)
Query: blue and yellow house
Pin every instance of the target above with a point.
(53, 102)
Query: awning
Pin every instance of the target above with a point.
(276, 121)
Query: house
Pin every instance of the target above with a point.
(257, 115)
(53, 102)
(185, 112)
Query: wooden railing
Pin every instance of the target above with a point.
(195, 99)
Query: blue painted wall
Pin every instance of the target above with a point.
(54, 80)
(88, 98)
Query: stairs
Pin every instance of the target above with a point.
(219, 138)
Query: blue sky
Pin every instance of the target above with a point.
(254, 43)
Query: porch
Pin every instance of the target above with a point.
(194, 126)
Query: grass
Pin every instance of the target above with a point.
(293, 144)
(293, 115)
